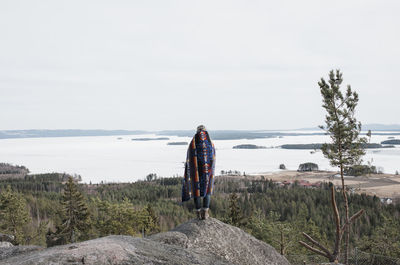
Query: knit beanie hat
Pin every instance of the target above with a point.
(201, 128)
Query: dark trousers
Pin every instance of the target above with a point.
(206, 202)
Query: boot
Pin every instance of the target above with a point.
(198, 214)
(204, 214)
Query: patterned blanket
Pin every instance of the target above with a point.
(198, 179)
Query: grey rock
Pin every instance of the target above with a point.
(5, 245)
(12, 251)
(195, 242)
(6, 238)
(222, 240)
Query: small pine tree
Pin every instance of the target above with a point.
(345, 150)
(153, 224)
(234, 211)
(76, 219)
(119, 218)
(14, 215)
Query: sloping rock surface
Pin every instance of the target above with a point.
(194, 242)
(222, 240)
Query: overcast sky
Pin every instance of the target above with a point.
(163, 64)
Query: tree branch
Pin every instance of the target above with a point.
(324, 249)
(343, 102)
(353, 218)
(356, 215)
(319, 252)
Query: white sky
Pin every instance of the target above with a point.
(163, 64)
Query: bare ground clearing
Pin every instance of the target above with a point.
(381, 185)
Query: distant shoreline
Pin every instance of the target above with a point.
(381, 185)
(215, 135)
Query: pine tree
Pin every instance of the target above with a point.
(120, 218)
(14, 215)
(153, 220)
(345, 150)
(279, 234)
(76, 219)
(234, 211)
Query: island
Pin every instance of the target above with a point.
(318, 146)
(301, 146)
(150, 139)
(248, 146)
(309, 166)
(177, 143)
(392, 141)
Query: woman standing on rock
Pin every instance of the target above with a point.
(198, 178)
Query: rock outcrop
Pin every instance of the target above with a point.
(8, 251)
(6, 238)
(194, 242)
(5, 245)
(221, 240)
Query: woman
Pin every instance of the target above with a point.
(198, 179)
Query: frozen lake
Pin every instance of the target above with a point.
(109, 159)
